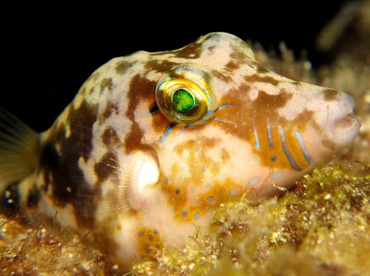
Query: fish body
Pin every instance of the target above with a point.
(154, 142)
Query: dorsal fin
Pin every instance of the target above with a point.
(19, 148)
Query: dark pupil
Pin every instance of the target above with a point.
(182, 100)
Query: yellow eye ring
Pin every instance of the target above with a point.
(182, 100)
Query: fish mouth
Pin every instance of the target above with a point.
(348, 121)
(345, 126)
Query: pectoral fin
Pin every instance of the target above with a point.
(141, 174)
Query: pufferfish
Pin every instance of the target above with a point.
(153, 143)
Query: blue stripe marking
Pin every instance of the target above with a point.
(257, 143)
(207, 120)
(204, 120)
(269, 134)
(209, 113)
(303, 148)
(218, 108)
(286, 151)
(169, 128)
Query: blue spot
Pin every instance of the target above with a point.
(273, 158)
(233, 192)
(211, 199)
(196, 216)
(184, 213)
(255, 160)
(254, 180)
(276, 175)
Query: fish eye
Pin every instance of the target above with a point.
(182, 100)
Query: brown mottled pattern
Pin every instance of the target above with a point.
(239, 57)
(330, 94)
(106, 83)
(122, 66)
(304, 118)
(141, 90)
(33, 197)
(220, 75)
(159, 123)
(255, 110)
(110, 137)
(232, 65)
(109, 109)
(260, 69)
(104, 168)
(211, 48)
(69, 184)
(191, 51)
(258, 117)
(177, 194)
(259, 78)
(81, 122)
(259, 120)
(159, 65)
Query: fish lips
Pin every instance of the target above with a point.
(343, 126)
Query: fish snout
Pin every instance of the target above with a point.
(342, 125)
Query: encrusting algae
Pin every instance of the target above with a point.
(319, 227)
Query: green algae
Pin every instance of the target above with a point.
(319, 228)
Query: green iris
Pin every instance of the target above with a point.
(183, 100)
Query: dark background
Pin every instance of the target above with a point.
(48, 51)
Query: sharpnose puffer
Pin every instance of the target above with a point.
(154, 142)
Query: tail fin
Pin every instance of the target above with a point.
(19, 149)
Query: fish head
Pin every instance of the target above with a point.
(199, 126)
(221, 123)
